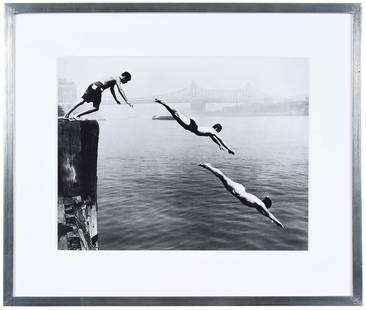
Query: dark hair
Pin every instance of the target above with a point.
(217, 127)
(126, 75)
(267, 202)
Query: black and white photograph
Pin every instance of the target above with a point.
(183, 153)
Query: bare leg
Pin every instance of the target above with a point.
(182, 120)
(171, 110)
(224, 179)
(78, 104)
(87, 112)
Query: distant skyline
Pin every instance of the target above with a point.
(274, 76)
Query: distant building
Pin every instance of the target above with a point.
(66, 91)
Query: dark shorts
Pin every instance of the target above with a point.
(93, 94)
(192, 126)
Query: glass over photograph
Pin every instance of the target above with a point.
(183, 153)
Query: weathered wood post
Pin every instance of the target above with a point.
(77, 184)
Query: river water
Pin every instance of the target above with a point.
(153, 196)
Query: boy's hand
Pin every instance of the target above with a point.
(231, 152)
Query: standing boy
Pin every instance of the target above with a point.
(94, 93)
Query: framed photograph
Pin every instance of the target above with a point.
(182, 154)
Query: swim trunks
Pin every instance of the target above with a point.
(94, 94)
(192, 126)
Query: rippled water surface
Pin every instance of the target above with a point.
(152, 195)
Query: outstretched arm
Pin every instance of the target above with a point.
(114, 95)
(267, 213)
(214, 139)
(224, 145)
(274, 219)
(120, 90)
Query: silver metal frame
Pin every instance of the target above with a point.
(11, 10)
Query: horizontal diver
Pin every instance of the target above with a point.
(190, 125)
(238, 190)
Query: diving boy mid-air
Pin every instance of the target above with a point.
(94, 93)
(190, 125)
(239, 191)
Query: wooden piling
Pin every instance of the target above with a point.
(77, 184)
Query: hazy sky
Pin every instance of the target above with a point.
(278, 77)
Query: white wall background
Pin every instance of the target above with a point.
(206, 261)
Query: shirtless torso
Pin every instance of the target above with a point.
(190, 125)
(109, 82)
(94, 94)
(238, 190)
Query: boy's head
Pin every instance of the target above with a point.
(267, 202)
(217, 127)
(125, 77)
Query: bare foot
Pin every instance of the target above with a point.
(74, 118)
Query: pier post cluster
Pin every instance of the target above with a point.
(77, 184)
